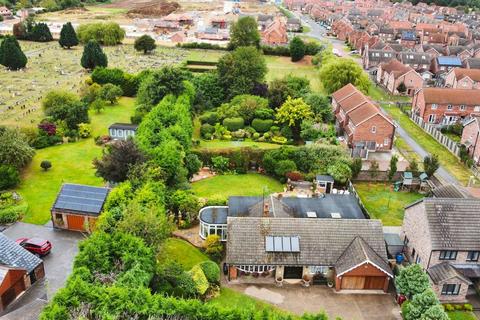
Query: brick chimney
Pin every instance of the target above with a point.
(266, 210)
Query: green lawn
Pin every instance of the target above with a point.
(461, 315)
(447, 159)
(379, 94)
(182, 252)
(384, 204)
(306, 29)
(223, 186)
(71, 162)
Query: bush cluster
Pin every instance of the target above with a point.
(11, 207)
(107, 34)
(128, 82)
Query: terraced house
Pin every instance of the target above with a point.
(445, 105)
(364, 126)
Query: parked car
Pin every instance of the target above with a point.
(37, 246)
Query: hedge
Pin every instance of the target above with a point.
(201, 63)
(205, 129)
(262, 125)
(211, 271)
(201, 45)
(234, 124)
(240, 158)
(209, 117)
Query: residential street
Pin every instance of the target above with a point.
(319, 32)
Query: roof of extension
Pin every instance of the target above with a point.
(453, 223)
(445, 271)
(321, 241)
(13, 255)
(81, 198)
(450, 191)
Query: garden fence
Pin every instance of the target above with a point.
(437, 135)
(352, 190)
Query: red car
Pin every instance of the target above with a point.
(37, 246)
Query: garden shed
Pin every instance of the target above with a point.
(77, 207)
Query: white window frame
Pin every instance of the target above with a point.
(454, 292)
(434, 106)
(463, 107)
(473, 256)
(374, 129)
(449, 107)
(476, 109)
(432, 118)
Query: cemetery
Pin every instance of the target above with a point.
(50, 66)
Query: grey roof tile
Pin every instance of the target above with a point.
(445, 271)
(13, 255)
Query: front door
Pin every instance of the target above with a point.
(293, 273)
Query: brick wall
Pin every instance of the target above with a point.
(415, 228)
(384, 130)
(461, 258)
(461, 297)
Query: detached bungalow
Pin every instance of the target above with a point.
(349, 254)
(19, 270)
(121, 131)
(77, 207)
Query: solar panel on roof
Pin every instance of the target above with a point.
(286, 247)
(269, 244)
(277, 242)
(295, 244)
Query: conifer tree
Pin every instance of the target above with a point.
(93, 56)
(11, 55)
(68, 36)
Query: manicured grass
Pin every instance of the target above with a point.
(182, 252)
(461, 315)
(223, 186)
(384, 204)
(230, 298)
(453, 136)
(446, 158)
(71, 162)
(221, 144)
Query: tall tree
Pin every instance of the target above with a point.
(297, 49)
(431, 164)
(393, 167)
(145, 43)
(238, 71)
(68, 36)
(340, 72)
(93, 56)
(39, 32)
(11, 55)
(292, 113)
(244, 33)
(63, 105)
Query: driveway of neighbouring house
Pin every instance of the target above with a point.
(314, 299)
(58, 264)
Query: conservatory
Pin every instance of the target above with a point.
(213, 220)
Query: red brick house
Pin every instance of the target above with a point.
(461, 78)
(471, 137)
(362, 123)
(275, 33)
(391, 74)
(445, 105)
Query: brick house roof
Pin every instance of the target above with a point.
(13, 255)
(461, 73)
(451, 96)
(344, 92)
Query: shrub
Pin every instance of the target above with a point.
(294, 175)
(211, 271)
(458, 307)
(9, 177)
(262, 125)
(233, 124)
(448, 307)
(220, 164)
(213, 246)
(256, 135)
(108, 34)
(45, 165)
(285, 166)
(266, 135)
(84, 130)
(205, 129)
(468, 307)
(209, 117)
(12, 213)
(279, 140)
(201, 282)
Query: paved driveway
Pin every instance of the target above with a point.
(314, 299)
(58, 264)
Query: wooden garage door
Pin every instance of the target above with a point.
(353, 282)
(75, 222)
(374, 283)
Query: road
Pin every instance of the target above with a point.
(319, 32)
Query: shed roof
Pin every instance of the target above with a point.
(81, 198)
(322, 241)
(14, 255)
(125, 126)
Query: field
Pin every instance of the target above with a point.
(223, 186)
(71, 162)
(383, 203)
(50, 67)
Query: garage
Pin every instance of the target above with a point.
(76, 222)
(361, 283)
